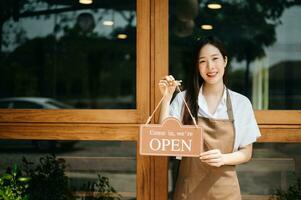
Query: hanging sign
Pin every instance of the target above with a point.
(171, 138)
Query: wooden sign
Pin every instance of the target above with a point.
(171, 138)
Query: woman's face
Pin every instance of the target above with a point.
(211, 64)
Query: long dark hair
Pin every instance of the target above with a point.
(195, 80)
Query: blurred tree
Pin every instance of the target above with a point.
(13, 9)
(16, 9)
(246, 27)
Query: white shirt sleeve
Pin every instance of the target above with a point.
(175, 108)
(246, 126)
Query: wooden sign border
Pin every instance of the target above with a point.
(181, 126)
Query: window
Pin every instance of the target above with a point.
(81, 55)
(262, 41)
(83, 160)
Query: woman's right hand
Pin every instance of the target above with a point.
(168, 86)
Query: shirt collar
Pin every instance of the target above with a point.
(224, 97)
(202, 102)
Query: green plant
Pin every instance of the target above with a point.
(13, 186)
(292, 193)
(48, 180)
(101, 190)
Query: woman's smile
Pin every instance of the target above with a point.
(211, 74)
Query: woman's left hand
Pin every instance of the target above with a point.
(213, 158)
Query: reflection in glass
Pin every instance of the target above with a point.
(262, 40)
(273, 166)
(80, 55)
(32, 103)
(84, 161)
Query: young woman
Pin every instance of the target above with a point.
(228, 121)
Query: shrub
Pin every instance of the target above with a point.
(48, 180)
(293, 192)
(13, 186)
(101, 190)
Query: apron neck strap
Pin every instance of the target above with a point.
(229, 105)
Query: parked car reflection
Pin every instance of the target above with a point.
(32, 103)
(39, 103)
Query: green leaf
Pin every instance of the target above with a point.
(7, 177)
(15, 169)
(24, 179)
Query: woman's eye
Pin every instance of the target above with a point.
(215, 58)
(202, 61)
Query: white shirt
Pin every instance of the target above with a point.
(245, 125)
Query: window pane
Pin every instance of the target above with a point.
(262, 40)
(81, 55)
(273, 166)
(84, 161)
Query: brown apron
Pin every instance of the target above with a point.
(198, 180)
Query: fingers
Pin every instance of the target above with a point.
(163, 84)
(214, 162)
(169, 78)
(213, 158)
(167, 85)
(210, 152)
(171, 81)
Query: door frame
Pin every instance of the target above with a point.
(123, 125)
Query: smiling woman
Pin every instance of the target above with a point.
(226, 118)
